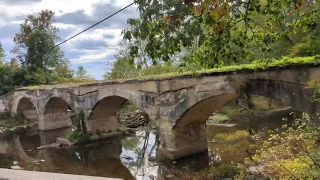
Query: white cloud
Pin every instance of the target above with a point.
(94, 56)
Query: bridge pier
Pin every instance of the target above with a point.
(53, 121)
(182, 141)
(102, 123)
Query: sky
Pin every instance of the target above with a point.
(94, 49)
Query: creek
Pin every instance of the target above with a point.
(134, 156)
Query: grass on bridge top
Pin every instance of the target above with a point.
(257, 65)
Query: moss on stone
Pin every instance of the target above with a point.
(258, 65)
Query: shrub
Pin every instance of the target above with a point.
(79, 133)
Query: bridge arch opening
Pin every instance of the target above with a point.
(200, 123)
(200, 111)
(26, 109)
(189, 135)
(57, 114)
(114, 111)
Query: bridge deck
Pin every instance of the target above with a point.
(296, 63)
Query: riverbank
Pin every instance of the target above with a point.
(8, 174)
(8, 123)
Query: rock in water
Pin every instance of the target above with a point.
(15, 167)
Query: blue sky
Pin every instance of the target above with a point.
(93, 49)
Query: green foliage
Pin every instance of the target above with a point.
(292, 153)
(1, 54)
(82, 73)
(301, 167)
(240, 134)
(254, 66)
(308, 47)
(215, 33)
(220, 118)
(79, 131)
(223, 171)
(37, 33)
(122, 69)
(11, 76)
(315, 92)
(41, 53)
(77, 137)
(38, 61)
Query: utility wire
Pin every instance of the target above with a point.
(93, 25)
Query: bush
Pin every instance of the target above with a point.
(292, 153)
(77, 136)
(79, 133)
(223, 171)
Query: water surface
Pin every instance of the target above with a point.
(130, 157)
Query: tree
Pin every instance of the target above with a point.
(1, 54)
(225, 31)
(41, 53)
(122, 68)
(309, 45)
(35, 43)
(82, 73)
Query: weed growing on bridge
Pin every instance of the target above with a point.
(79, 131)
(177, 71)
(257, 65)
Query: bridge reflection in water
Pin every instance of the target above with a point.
(121, 157)
(130, 157)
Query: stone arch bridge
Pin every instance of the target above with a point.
(180, 105)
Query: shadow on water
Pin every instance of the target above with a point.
(130, 157)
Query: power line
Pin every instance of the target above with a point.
(93, 25)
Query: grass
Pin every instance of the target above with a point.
(232, 136)
(257, 65)
(220, 118)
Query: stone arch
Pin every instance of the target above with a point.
(55, 114)
(197, 108)
(103, 114)
(185, 131)
(296, 95)
(25, 106)
(199, 111)
(66, 97)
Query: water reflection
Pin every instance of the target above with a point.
(137, 151)
(131, 157)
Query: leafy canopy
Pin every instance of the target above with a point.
(34, 44)
(82, 73)
(222, 31)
